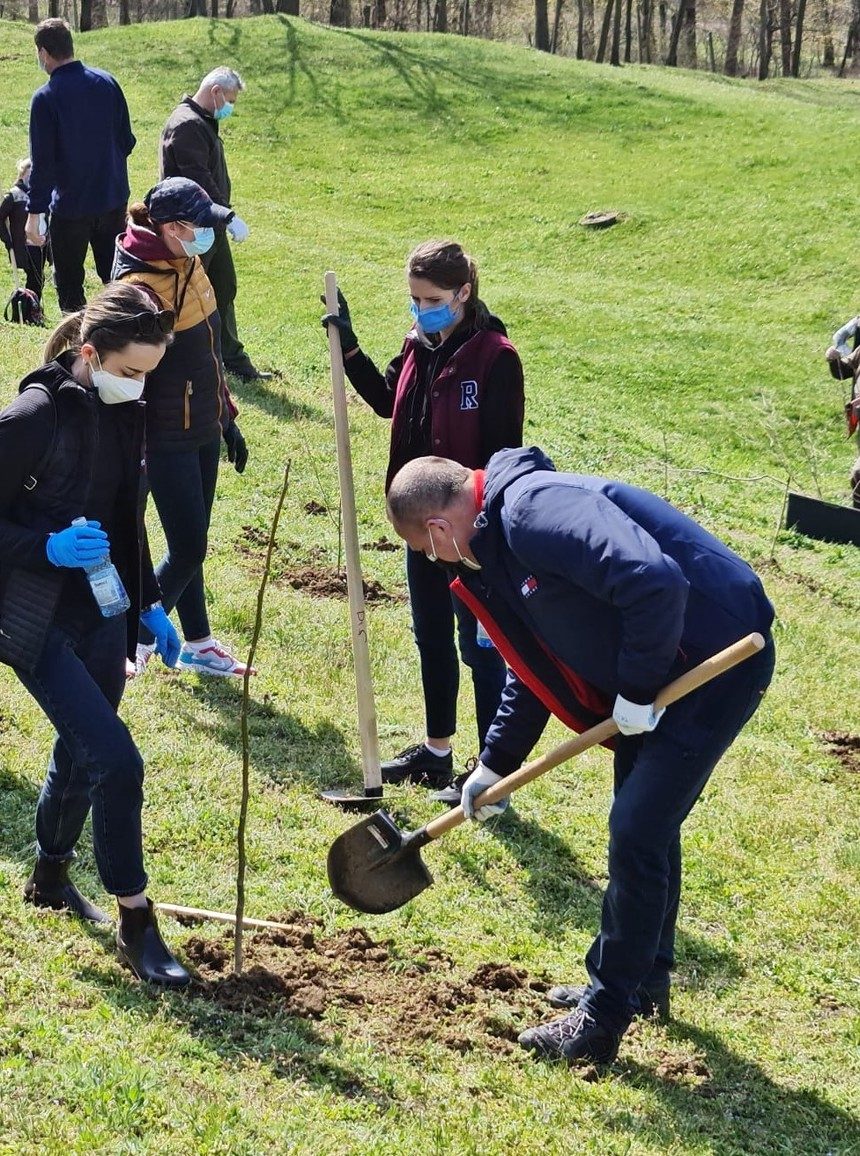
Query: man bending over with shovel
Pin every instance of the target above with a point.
(597, 593)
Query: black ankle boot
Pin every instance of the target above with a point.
(49, 886)
(140, 947)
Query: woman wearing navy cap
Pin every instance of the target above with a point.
(188, 407)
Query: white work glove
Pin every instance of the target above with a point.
(635, 719)
(481, 778)
(238, 230)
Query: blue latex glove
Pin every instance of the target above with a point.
(481, 778)
(167, 643)
(78, 546)
(238, 230)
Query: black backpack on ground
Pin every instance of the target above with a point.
(23, 308)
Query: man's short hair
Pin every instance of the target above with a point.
(423, 488)
(225, 78)
(55, 36)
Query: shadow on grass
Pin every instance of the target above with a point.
(18, 800)
(739, 1107)
(288, 1046)
(271, 397)
(563, 893)
(282, 747)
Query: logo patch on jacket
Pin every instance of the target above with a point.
(468, 395)
(529, 586)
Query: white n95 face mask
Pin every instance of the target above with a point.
(113, 390)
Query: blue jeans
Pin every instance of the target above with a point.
(434, 610)
(657, 781)
(182, 484)
(95, 765)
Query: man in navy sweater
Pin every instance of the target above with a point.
(80, 140)
(597, 593)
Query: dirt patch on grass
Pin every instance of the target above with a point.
(326, 582)
(349, 981)
(846, 748)
(315, 508)
(383, 544)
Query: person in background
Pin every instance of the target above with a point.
(80, 141)
(188, 407)
(843, 358)
(191, 147)
(71, 446)
(455, 388)
(30, 259)
(598, 593)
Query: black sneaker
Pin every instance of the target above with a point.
(419, 766)
(653, 1000)
(576, 1036)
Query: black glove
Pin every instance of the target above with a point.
(237, 450)
(342, 322)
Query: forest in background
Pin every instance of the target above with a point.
(753, 38)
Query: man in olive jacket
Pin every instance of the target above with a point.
(191, 147)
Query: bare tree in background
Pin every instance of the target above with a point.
(785, 35)
(734, 39)
(798, 38)
(541, 26)
(765, 40)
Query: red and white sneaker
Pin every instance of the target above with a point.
(211, 658)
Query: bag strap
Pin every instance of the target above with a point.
(33, 479)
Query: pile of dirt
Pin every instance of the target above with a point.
(326, 582)
(383, 544)
(298, 972)
(315, 508)
(846, 748)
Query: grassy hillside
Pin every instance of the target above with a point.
(681, 350)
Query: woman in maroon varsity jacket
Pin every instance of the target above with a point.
(455, 389)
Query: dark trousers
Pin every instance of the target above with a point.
(182, 485)
(30, 260)
(95, 764)
(221, 271)
(657, 781)
(70, 239)
(434, 611)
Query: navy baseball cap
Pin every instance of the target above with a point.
(180, 199)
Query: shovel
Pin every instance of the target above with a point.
(375, 867)
(371, 771)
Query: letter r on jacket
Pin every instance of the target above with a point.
(468, 395)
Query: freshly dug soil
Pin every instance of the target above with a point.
(402, 1001)
(846, 748)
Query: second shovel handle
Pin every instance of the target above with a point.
(717, 664)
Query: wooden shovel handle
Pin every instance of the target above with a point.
(692, 680)
(368, 738)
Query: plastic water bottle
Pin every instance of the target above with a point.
(105, 583)
(484, 638)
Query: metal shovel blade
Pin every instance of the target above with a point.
(374, 868)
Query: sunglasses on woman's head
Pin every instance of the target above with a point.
(146, 324)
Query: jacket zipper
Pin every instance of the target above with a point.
(189, 389)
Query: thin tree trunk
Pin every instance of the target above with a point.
(798, 38)
(339, 13)
(615, 55)
(691, 59)
(604, 33)
(86, 16)
(556, 21)
(785, 35)
(628, 32)
(764, 40)
(33, 11)
(672, 55)
(734, 38)
(646, 55)
(541, 26)
(440, 16)
(586, 8)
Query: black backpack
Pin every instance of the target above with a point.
(23, 308)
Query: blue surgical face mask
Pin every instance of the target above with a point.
(203, 241)
(224, 111)
(437, 317)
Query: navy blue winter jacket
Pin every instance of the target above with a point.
(80, 138)
(592, 588)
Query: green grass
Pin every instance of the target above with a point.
(681, 350)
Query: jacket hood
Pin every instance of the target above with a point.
(54, 375)
(144, 245)
(507, 466)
